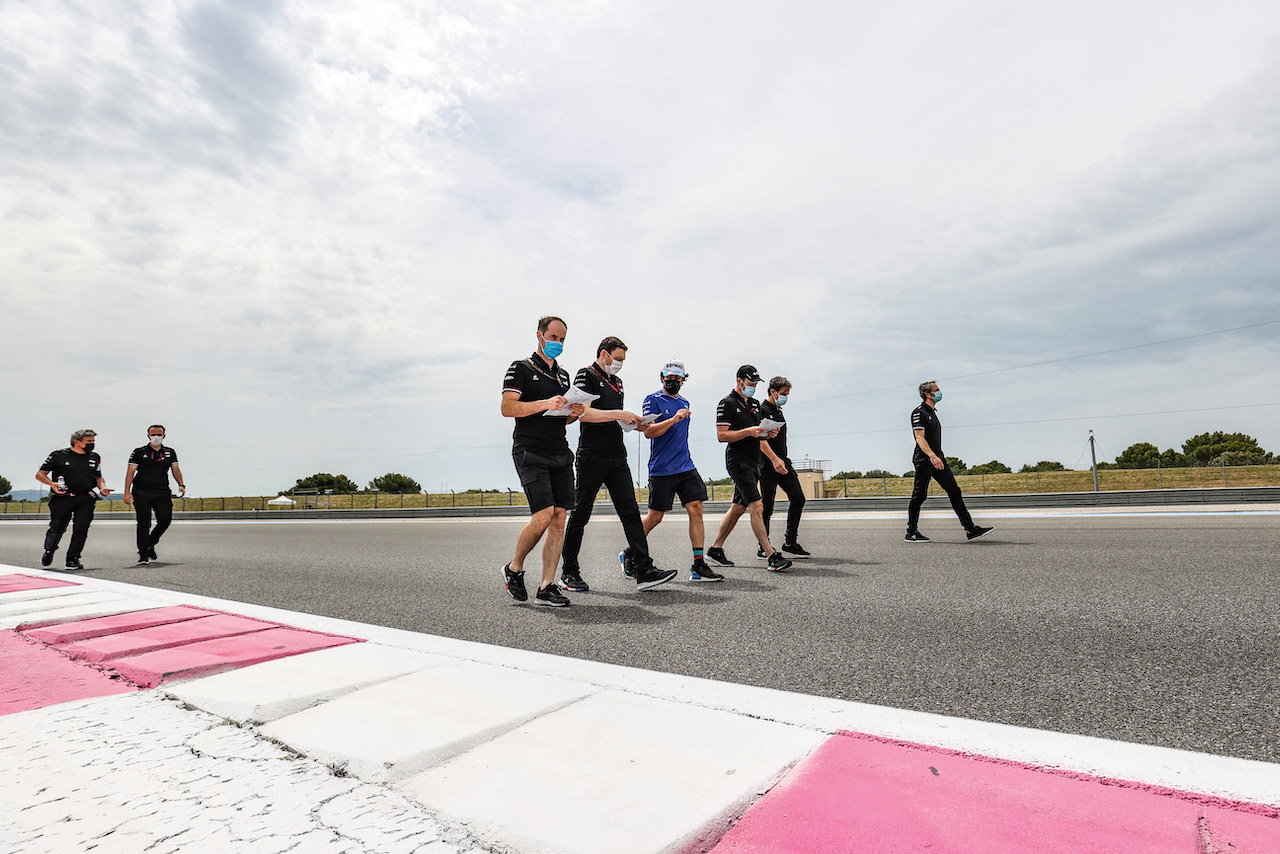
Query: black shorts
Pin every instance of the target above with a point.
(663, 488)
(547, 478)
(746, 482)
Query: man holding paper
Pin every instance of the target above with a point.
(738, 425)
(602, 461)
(771, 478)
(534, 394)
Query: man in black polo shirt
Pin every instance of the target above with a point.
(771, 478)
(602, 460)
(931, 463)
(146, 487)
(74, 475)
(738, 425)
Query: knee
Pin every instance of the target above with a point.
(542, 519)
(694, 509)
(558, 517)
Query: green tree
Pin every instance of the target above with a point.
(1043, 465)
(395, 484)
(5, 487)
(1235, 448)
(847, 475)
(993, 467)
(879, 473)
(325, 482)
(957, 464)
(1140, 455)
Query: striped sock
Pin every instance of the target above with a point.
(697, 555)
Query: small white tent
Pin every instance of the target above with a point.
(283, 501)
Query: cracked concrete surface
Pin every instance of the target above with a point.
(142, 772)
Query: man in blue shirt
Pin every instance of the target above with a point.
(671, 469)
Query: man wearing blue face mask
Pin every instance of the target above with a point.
(738, 426)
(771, 478)
(931, 464)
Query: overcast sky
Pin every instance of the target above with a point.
(311, 236)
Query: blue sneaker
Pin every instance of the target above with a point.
(701, 572)
(628, 569)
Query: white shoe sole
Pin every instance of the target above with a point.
(649, 585)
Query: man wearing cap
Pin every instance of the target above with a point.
(602, 461)
(146, 487)
(738, 426)
(671, 469)
(74, 476)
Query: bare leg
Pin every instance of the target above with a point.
(726, 525)
(552, 546)
(651, 520)
(697, 533)
(529, 536)
(757, 526)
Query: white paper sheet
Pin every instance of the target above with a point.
(574, 395)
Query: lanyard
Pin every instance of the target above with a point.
(534, 365)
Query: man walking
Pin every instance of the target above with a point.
(602, 461)
(771, 479)
(74, 476)
(146, 487)
(738, 426)
(930, 462)
(671, 469)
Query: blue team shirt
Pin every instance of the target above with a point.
(668, 453)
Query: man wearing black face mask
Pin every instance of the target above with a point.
(771, 478)
(931, 464)
(146, 487)
(602, 461)
(74, 476)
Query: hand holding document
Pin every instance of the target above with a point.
(575, 397)
(768, 425)
(648, 419)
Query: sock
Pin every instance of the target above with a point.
(697, 555)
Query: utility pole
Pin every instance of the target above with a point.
(1093, 451)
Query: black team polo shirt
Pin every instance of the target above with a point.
(153, 467)
(80, 472)
(738, 413)
(539, 432)
(778, 443)
(923, 417)
(604, 439)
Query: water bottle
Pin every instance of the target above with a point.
(62, 485)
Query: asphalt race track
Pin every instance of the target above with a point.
(1160, 629)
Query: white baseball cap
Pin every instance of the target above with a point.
(675, 366)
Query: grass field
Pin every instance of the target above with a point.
(1058, 481)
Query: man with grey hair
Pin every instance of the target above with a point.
(931, 463)
(74, 477)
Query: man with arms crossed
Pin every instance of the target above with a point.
(738, 426)
(671, 469)
(72, 474)
(146, 487)
(602, 460)
(931, 463)
(770, 479)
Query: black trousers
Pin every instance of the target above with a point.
(144, 504)
(945, 479)
(770, 480)
(595, 471)
(63, 509)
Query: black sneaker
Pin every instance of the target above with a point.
(795, 550)
(515, 584)
(624, 558)
(573, 581)
(701, 572)
(760, 555)
(916, 537)
(551, 595)
(74, 563)
(651, 576)
(778, 563)
(717, 557)
(46, 559)
(978, 531)
(143, 559)
(151, 553)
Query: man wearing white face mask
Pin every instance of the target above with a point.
(602, 461)
(931, 464)
(146, 487)
(771, 478)
(738, 425)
